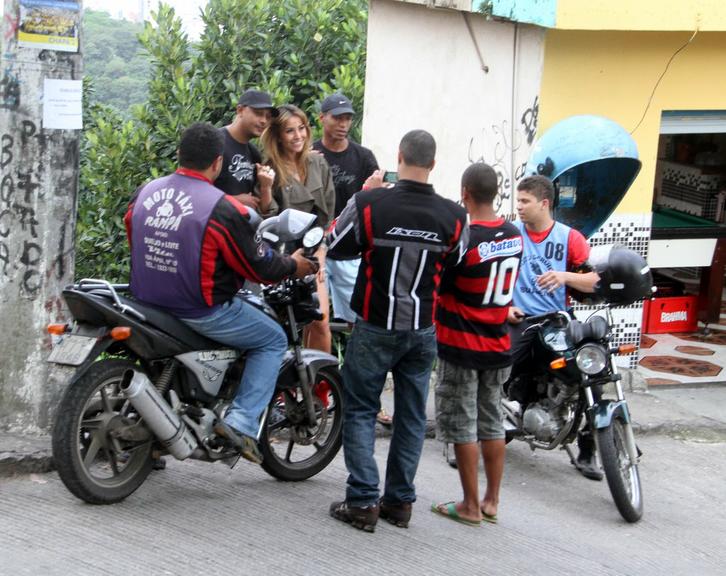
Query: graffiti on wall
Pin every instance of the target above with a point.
(500, 145)
(21, 252)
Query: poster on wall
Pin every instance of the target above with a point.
(49, 24)
(62, 104)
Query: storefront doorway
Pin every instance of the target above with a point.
(684, 333)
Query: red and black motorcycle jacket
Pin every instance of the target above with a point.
(405, 235)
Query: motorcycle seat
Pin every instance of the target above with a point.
(172, 325)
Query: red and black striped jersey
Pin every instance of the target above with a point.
(471, 318)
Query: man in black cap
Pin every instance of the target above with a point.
(350, 164)
(243, 175)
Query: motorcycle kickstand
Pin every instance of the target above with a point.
(571, 454)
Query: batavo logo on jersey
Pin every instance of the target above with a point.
(422, 234)
(502, 248)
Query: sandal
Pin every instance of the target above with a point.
(448, 510)
(491, 518)
(384, 418)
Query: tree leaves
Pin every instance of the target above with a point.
(298, 51)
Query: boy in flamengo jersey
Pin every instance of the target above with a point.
(474, 348)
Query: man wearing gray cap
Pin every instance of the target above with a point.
(350, 164)
(243, 175)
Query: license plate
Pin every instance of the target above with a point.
(71, 350)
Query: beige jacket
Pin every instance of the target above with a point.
(315, 196)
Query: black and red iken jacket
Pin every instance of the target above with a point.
(192, 246)
(471, 319)
(406, 236)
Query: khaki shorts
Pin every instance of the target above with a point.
(469, 403)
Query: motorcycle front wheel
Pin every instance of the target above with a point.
(622, 475)
(92, 460)
(292, 449)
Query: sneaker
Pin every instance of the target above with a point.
(363, 518)
(398, 514)
(245, 445)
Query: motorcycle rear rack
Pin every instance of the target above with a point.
(105, 288)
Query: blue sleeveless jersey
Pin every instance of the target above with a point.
(538, 258)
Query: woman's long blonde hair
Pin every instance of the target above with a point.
(272, 145)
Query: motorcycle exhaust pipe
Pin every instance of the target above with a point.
(158, 415)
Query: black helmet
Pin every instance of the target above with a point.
(624, 275)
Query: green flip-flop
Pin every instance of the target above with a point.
(491, 518)
(451, 513)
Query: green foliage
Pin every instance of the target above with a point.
(115, 60)
(298, 51)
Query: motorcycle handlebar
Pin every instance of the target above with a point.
(547, 316)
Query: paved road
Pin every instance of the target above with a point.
(196, 518)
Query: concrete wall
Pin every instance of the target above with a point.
(38, 189)
(613, 74)
(655, 15)
(424, 71)
(662, 15)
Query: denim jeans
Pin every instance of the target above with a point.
(242, 326)
(371, 353)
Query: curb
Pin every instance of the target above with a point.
(29, 455)
(14, 462)
(33, 456)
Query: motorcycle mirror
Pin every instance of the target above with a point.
(267, 229)
(313, 237)
(292, 224)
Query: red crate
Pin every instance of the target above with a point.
(670, 314)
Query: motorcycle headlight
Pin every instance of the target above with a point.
(591, 359)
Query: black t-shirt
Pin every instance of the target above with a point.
(349, 168)
(239, 174)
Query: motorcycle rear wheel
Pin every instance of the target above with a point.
(95, 466)
(293, 451)
(622, 476)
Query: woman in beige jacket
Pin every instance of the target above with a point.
(302, 181)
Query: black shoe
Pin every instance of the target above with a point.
(589, 468)
(398, 514)
(158, 464)
(245, 445)
(586, 462)
(362, 518)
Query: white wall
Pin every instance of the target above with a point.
(423, 72)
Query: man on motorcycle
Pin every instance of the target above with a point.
(191, 248)
(553, 260)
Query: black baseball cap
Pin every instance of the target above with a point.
(336, 104)
(257, 99)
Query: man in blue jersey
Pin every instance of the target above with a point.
(553, 260)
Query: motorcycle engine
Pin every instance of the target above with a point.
(537, 421)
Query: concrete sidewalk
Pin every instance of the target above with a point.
(682, 411)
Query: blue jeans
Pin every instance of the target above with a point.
(242, 326)
(370, 354)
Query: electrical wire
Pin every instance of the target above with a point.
(650, 100)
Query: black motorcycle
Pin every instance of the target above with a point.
(145, 385)
(559, 388)
(546, 407)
